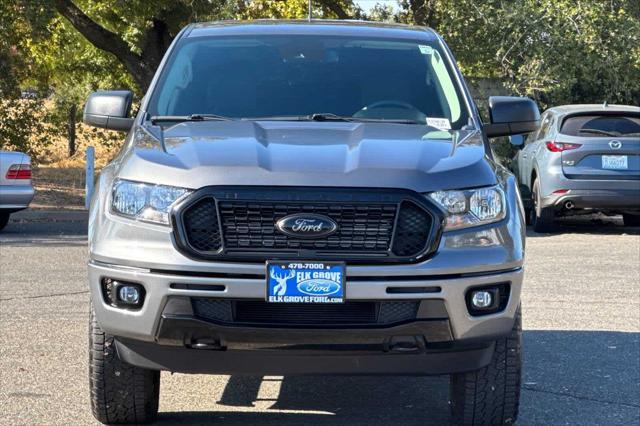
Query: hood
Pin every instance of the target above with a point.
(330, 154)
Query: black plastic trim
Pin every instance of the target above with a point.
(321, 361)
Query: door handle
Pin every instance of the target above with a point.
(524, 155)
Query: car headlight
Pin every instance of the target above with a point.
(473, 207)
(143, 201)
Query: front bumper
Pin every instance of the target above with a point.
(159, 287)
(15, 197)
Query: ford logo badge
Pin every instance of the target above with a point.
(318, 287)
(306, 225)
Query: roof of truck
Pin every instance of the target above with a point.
(314, 26)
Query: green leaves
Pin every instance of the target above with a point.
(556, 51)
(21, 126)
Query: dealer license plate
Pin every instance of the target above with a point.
(305, 282)
(615, 162)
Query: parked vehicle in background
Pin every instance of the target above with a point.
(307, 198)
(584, 158)
(16, 190)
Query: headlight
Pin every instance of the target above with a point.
(143, 201)
(472, 207)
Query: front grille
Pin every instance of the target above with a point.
(260, 313)
(372, 225)
(412, 231)
(201, 223)
(247, 225)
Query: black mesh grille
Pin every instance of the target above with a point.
(391, 312)
(312, 315)
(213, 309)
(241, 224)
(201, 225)
(412, 230)
(360, 227)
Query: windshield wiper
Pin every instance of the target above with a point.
(327, 116)
(598, 132)
(334, 117)
(311, 117)
(193, 117)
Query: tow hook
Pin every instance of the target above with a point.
(206, 344)
(405, 344)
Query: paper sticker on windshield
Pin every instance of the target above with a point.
(425, 50)
(439, 123)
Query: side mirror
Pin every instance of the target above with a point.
(109, 109)
(517, 141)
(511, 115)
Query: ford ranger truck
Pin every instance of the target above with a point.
(306, 198)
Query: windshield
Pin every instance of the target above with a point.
(274, 76)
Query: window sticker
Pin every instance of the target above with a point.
(439, 123)
(425, 50)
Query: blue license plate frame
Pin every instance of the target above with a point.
(305, 282)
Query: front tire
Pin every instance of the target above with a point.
(120, 393)
(4, 219)
(631, 219)
(541, 217)
(491, 395)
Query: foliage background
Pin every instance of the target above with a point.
(555, 51)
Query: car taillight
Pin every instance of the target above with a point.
(19, 171)
(554, 146)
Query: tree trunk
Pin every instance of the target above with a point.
(71, 130)
(142, 66)
(424, 12)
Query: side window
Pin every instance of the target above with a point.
(545, 125)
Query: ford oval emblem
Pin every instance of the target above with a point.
(306, 225)
(318, 287)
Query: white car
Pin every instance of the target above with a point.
(16, 190)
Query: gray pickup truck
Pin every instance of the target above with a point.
(307, 198)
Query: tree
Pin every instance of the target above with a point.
(556, 51)
(138, 33)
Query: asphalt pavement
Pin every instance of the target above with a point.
(581, 313)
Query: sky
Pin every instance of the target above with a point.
(367, 5)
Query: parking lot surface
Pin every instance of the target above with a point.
(581, 313)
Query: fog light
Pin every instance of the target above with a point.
(123, 294)
(481, 299)
(488, 299)
(129, 294)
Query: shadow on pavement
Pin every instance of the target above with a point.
(570, 377)
(52, 227)
(596, 224)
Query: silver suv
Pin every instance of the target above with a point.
(306, 198)
(584, 158)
